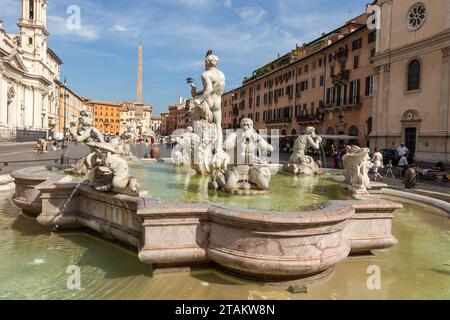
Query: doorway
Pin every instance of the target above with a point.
(411, 139)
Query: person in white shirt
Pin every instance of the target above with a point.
(377, 160)
(402, 150)
(403, 164)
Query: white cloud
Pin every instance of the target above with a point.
(120, 28)
(58, 27)
(251, 14)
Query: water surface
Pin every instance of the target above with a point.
(34, 261)
(288, 193)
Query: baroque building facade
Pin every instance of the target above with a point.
(327, 83)
(412, 78)
(29, 76)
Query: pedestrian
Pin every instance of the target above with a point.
(411, 177)
(402, 150)
(335, 156)
(410, 158)
(403, 164)
(377, 160)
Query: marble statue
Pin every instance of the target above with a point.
(248, 144)
(356, 168)
(183, 153)
(242, 179)
(129, 139)
(111, 172)
(300, 163)
(209, 100)
(207, 114)
(248, 176)
(84, 133)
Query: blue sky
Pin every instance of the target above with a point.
(100, 58)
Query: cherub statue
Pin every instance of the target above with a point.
(300, 163)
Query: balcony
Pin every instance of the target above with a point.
(341, 77)
(309, 118)
(279, 120)
(346, 104)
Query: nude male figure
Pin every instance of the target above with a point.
(210, 98)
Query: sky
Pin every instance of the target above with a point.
(99, 50)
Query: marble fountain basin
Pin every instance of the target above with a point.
(255, 243)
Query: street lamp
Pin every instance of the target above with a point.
(65, 95)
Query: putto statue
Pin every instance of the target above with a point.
(356, 169)
(207, 114)
(300, 163)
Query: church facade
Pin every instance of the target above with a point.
(412, 78)
(29, 76)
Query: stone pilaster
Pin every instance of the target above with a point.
(375, 106)
(384, 112)
(445, 88)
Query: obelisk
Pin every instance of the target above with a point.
(139, 100)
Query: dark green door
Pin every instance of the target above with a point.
(410, 139)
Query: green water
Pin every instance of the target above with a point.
(34, 261)
(288, 193)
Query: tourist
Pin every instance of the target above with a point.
(377, 160)
(335, 156)
(402, 150)
(403, 164)
(411, 177)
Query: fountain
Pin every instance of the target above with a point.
(272, 245)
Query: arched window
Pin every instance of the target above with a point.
(283, 133)
(294, 132)
(414, 75)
